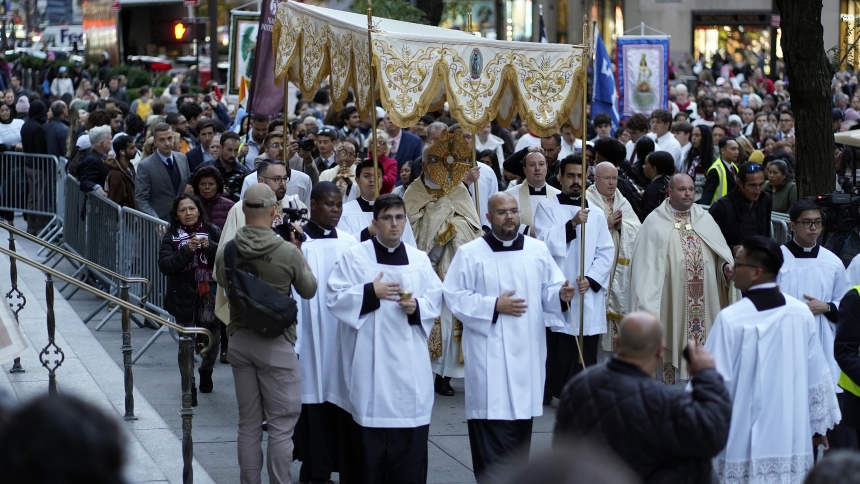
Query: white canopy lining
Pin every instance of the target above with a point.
(418, 67)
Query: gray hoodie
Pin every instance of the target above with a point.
(261, 252)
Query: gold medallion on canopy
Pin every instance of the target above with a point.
(448, 160)
(417, 68)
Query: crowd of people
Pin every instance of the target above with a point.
(400, 283)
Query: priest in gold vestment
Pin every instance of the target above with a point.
(681, 270)
(444, 218)
(623, 225)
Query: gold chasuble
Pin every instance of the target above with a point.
(444, 218)
(676, 272)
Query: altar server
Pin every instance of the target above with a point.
(558, 224)
(500, 286)
(316, 431)
(386, 296)
(357, 214)
(766, 346)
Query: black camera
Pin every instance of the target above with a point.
(233, 185)
(839, 210)
(291, 216)
(305, 144)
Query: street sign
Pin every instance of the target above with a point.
(191, 3)
(114, 5)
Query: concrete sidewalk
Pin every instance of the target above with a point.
(156, 380)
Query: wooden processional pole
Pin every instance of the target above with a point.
(286, 141)
(371, 100)
(583, 203)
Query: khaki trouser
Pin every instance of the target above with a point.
(266, 374)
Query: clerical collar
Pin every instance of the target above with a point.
(765, 296)
(498, 245)
(800, 252)
(316, 232)
(566, 199)
(673, 210)
(390, 256)
(537, 191)
(366, 205)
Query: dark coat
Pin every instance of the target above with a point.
(181, 299)
(728, 213)
(33, 137)
(195, 158)
(217, 207)
(665, 435)
(409, 149)
(92, 172)
(56, 135)
(120, 184)
(655, 193)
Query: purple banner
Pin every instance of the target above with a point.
(265, 97)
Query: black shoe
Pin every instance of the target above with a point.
(224, 357)
(547, 400)
(193, 396)
(265, 426)
(205, 381)
(443, 386)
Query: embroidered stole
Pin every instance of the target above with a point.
(525, 205)
(694, 259)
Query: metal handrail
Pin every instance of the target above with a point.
(119, 302)
(185, 347)
(81, 260)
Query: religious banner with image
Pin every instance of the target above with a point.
(643, 73)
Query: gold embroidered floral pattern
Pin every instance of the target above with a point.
(415, 65)
(694, 259)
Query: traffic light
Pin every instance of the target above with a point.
(181, 32)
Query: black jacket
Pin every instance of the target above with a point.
(180, 299)
(33, 138)
(655, 193)
(664, 434)
(56, 136)
(92, 171)
(738, 221)
(846, 349)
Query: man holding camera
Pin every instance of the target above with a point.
(232, 172)
(265, 370)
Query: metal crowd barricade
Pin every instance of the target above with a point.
(140, 241)
(74, 228)
(102, 226)
(34, 185)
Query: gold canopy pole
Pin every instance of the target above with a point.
(372, 101)
(474, 146)
(286, 142)
(583, 202)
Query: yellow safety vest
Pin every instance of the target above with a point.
(844, 381)
(722, 188)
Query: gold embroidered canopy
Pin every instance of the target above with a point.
(420, 67)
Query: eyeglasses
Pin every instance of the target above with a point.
(817, 223)
(277, 179)
(740, 264)
(607, 178)
(275, 145)
(753, 167)
(389, 218)
(786, 120)
(325, 131)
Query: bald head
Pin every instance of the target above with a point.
(605, 179)
(681, 192)
(500, 199)
(503, 216)
(679, 180)
(639, 335)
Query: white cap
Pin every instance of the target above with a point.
(84, 142)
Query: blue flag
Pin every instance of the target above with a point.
(605, 93)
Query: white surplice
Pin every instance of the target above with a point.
(488, 185)
(317, 327)
(353, 220)
(551, 221)
(381, 373)
(822, 277)
(529, 208)
(781, 389)
(505, 356)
